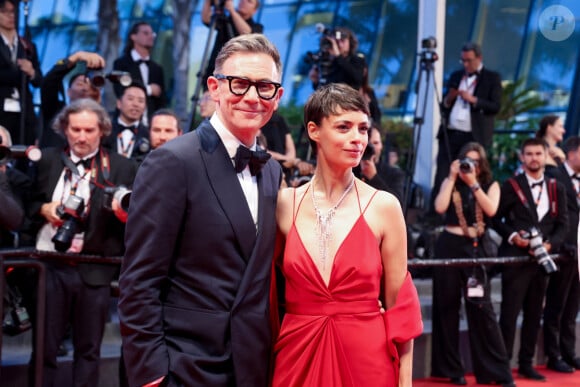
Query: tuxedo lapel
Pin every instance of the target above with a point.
(5, 53)
(225, 184)
(525, 187)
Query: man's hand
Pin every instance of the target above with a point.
(467, 96)
(94, 61)
(519, 241)
(26, 67)
(48, 211)
(155, 89)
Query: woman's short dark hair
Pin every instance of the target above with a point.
(328, 99)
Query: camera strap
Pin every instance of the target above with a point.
(552, 196)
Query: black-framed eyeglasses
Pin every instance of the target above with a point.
(240, 86)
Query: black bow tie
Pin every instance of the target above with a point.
(576, 177)
(537, 184)
(123, 127)
(140, 61)
(255, 159)
(476, 73)
(86, 163)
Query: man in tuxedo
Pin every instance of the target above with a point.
(52, 94)
(129, 136)
(136, 60)
(563, 287)
(470, 105)
(528, 200)
(195, 280)
(19, 68)
(229, 22)
(78, 294)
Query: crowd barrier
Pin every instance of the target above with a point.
(31, 258)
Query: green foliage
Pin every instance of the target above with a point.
(515, 100)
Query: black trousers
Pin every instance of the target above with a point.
(560, 311)
(523, 289)
(86, 308)
(488, 353)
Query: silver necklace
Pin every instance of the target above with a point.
(324, 223)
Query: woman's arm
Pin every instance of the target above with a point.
(394, 259)
(443, 197)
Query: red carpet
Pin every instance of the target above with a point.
(553, 379)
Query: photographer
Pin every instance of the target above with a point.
(528, 201)
(53, 96)
(237, 21)
(337, 61)
(19, 69)
(75, 210)
(468, 198)
(563, 291)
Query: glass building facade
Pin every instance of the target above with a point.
(510, 32)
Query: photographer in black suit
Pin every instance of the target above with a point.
(19, 68)
(528, 201)
(563, 287)
(470, 105)
(78, 215)
(136, 60)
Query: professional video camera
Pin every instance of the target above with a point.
(467, 165)
(18, 151)
(70, 212)
(322, 58)
(121, 193)
(540, 253)
(428, 54)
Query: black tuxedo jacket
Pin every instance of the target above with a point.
(195, 280)
(512, 216)
(141, 147)
(561, 174)
(126, 63)
(103, 232)
(488, 92)
(11, 77)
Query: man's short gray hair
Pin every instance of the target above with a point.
(248, 43)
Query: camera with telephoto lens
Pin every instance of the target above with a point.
(539, 251)
(98, 78)
(70, 212)
(466, 165)
(322, 59)
(7, 153)
(121, 193)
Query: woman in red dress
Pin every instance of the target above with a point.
(345, 248)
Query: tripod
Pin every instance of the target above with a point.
(426, 63)
(217, 16)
